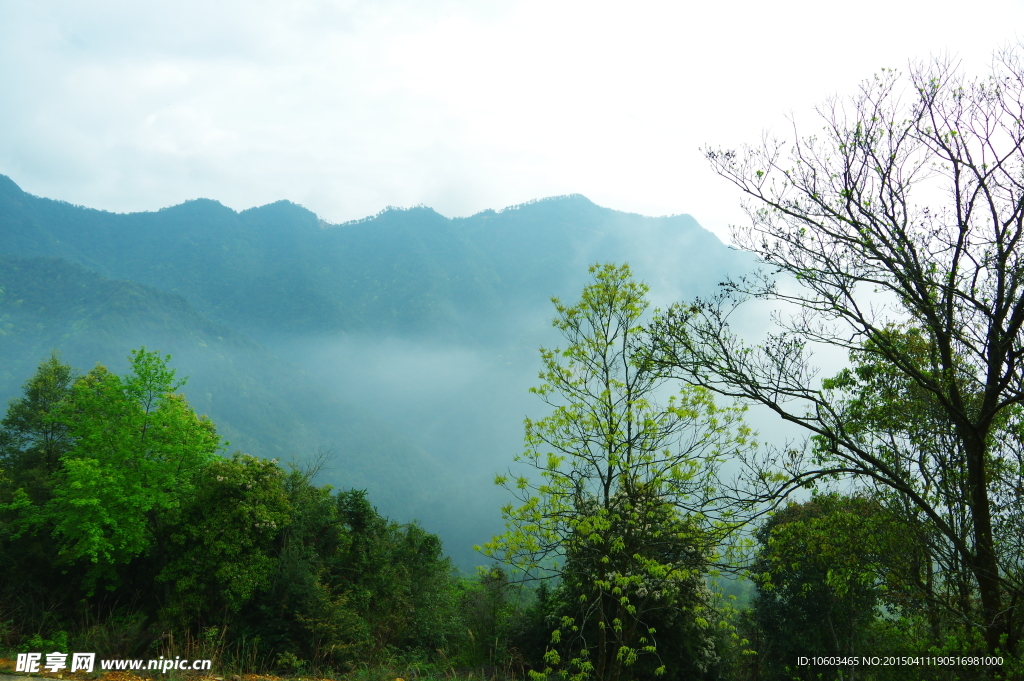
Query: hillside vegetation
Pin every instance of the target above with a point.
(403, 344)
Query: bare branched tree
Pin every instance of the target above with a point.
(907, 212)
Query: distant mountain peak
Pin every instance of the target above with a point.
(9, 186)
(561, 198)
(193, 205)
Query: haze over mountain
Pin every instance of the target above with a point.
(403, 343)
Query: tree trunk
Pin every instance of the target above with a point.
(985, 565)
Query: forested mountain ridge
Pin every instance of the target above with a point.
(403, 343)
(279, 269)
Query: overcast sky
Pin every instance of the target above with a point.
(349, 106)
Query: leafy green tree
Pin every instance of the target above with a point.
(225, 538)
(657, 559)
(95, 468)
(906, 428)
(907, 208)
(822, 570)
(253, 563)
(137, 448)
(397, 576)
(33, 580)
(351, 586)
(33, 438)
(487, 613)
(621, 512)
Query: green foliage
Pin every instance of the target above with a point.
(491, 610)
(32, 436)
(226, 535)
(839, 576)
(349, 585)
(32, 441)
(908, 431)
(137, 447)
(397, 575)
(877, 218)
(239, 558)
(619, 510)
(818, 573)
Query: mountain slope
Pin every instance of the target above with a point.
(277, 270)
(261, 404)
(404, 342)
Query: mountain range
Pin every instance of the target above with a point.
(401, 345)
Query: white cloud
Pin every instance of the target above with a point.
(347, 107)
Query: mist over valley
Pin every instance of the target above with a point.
(403, 345)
